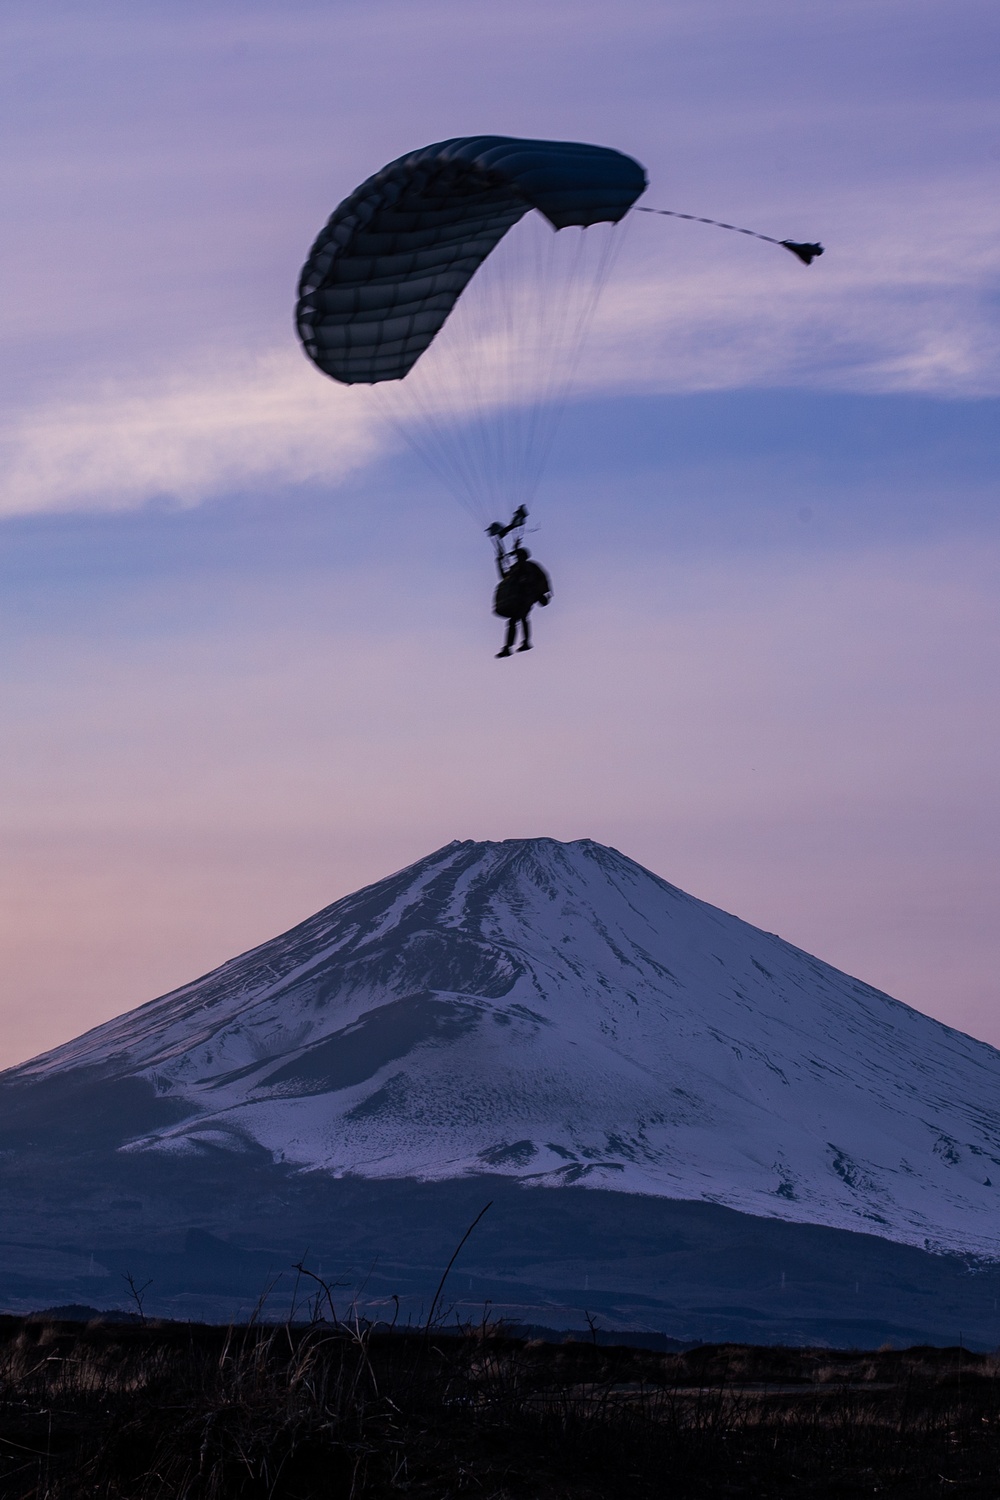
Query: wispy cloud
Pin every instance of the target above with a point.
(904, 301)
(191, 434)
(866, 123)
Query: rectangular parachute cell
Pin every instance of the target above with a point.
(413, 235)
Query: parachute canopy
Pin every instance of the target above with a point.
(394, 258)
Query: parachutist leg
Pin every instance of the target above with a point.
(512, 625)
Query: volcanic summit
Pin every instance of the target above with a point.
(551, 1014)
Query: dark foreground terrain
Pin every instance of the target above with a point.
(150, 1412)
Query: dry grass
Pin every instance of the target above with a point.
(188, 1412)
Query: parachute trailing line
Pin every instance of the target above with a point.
(805, 252)
(395, 256)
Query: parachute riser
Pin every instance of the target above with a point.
(499, 534)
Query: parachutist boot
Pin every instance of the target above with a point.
(524, 646)
(504, 652)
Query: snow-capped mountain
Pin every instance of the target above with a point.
(556, 1013)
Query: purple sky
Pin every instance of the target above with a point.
(247, 660)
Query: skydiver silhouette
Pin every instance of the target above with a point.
(522, 585)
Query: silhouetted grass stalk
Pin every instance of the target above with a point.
(342, 1408)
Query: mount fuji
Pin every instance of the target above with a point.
(551, 1025)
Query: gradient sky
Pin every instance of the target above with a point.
(246, 657)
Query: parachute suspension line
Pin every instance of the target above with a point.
(542, 298)
(432, 454)
(556, 302)
(512, 304)
(805, 253)
(546, 282)
(555, 331)
(496, 422)
(446, 447)
(437, 454)
(506, 420)
(462, 434)
(556, 398)
(457, 446)
(483, 407)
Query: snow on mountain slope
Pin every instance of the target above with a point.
(557, 1013)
